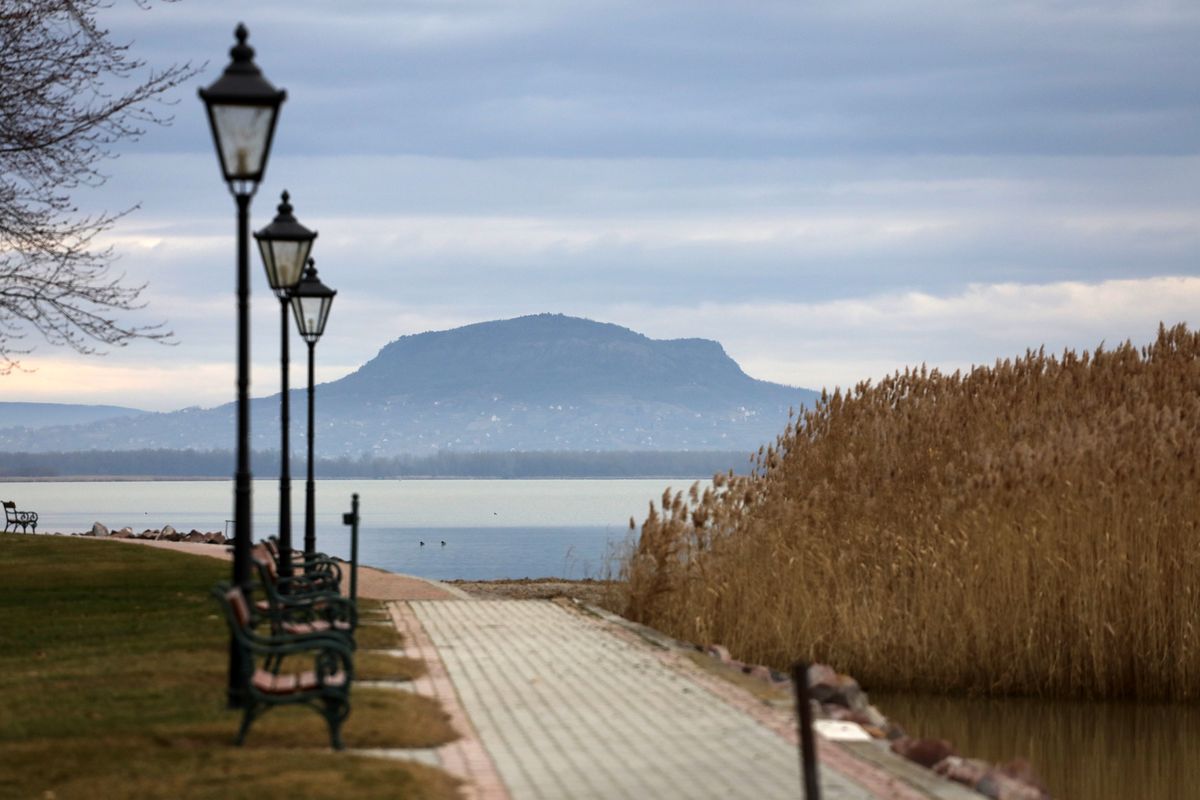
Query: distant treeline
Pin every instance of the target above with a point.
(220, 464)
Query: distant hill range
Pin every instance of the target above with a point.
(545, 382)
(46, 415)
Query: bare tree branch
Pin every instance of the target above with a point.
(68, 94)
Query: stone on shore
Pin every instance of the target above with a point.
(1013, 781)
(926, 752)
(98, 529)
(829, 686)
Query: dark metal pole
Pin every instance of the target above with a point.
(804, 720)
(285, 468)
(351, 519)
(310, 501)
(241, 493)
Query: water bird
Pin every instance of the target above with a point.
(422, 544)
(443, 542)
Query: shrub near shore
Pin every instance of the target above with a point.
(1030, 527)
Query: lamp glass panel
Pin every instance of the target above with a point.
(242, 133)
(288, 260)
(268, 257)
(309, 313)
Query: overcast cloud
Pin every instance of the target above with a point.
(834, 191)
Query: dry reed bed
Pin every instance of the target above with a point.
(1030, 527)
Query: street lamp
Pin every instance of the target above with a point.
(311, 300)
(285, 245)
(242, 109)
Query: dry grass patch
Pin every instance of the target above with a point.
(378, 666)
(378, 636)
(379, 718)
(769, 693)
(1028, 527)
(373, 611)
(587, 590)
(135, 768)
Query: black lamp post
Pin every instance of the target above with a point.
(242, 109)
(311, 300)
(285, 245)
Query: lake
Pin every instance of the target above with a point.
(1080, 749)
(492, 529)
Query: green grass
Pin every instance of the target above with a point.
(372, 666)
(377, 635)
(113, 668)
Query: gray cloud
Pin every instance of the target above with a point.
(711, 79)
(470, 160)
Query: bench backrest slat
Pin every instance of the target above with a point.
(241, 610)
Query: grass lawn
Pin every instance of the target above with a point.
(113, 666)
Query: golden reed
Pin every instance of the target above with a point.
(1027, 528)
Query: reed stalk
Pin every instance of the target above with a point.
(1031, 527)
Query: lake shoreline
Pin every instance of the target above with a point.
(106, 478)
(218, 478)
(491, 529)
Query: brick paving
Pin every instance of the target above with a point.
(466, 757)
(568, 710)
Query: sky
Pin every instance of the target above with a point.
(832, 190)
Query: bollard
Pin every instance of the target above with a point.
(804, 720)
(351, 519)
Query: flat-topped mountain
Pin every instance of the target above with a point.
(553, 358)
(544, 382)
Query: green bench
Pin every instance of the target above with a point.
(318, 567)
(300, 604)
(323, 683)
(26, 519)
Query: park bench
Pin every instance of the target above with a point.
(319, 567)
(324, 685)
(26, 519)
(300, 605)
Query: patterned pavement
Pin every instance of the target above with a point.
(564, 706)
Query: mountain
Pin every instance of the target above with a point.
(45, 415)
(544, 382)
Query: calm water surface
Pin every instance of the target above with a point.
(1081, 750)
(492, 528)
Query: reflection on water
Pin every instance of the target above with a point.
(1081, 750)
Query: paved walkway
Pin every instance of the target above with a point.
(567, 710)
(557, 703)
(554, 702)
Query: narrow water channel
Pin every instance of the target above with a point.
(1080, 750)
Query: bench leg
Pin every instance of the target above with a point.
(336, 711)
(247, 719)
